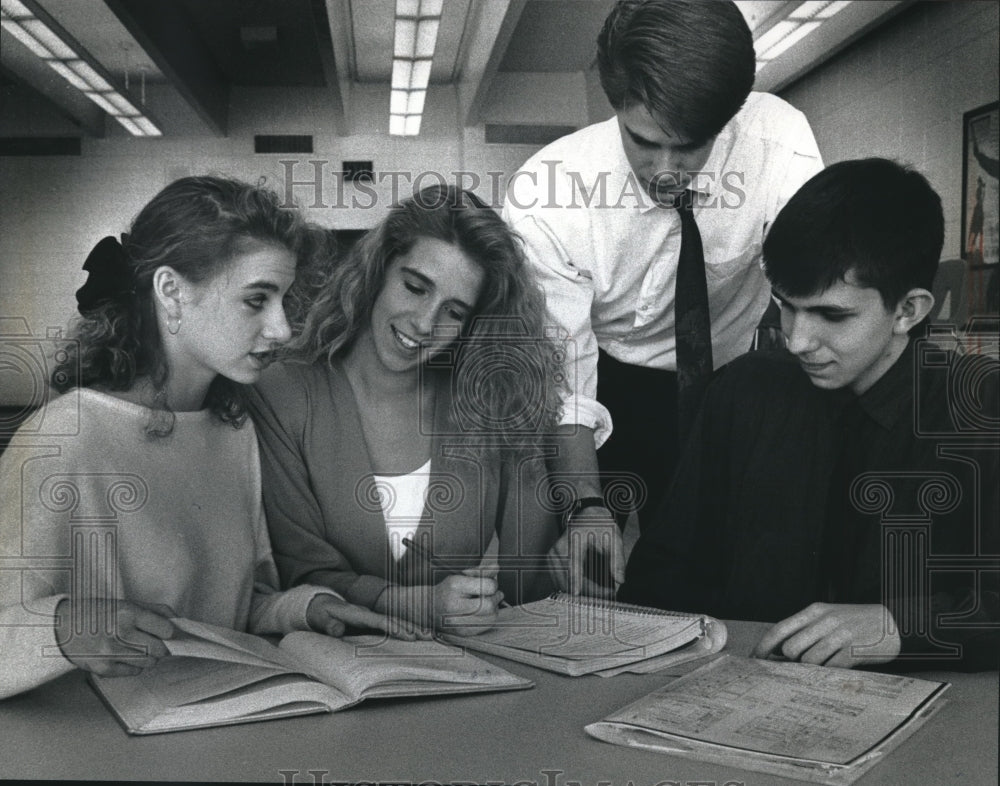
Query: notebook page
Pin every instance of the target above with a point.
(578, 630)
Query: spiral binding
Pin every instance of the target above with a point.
(614, 605)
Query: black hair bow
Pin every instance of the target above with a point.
(109, 276)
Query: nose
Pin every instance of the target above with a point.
(674, 167)
(799, 335)
(423, 321)
(668, 164)
(277, 328)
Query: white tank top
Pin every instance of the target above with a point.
(402, 498)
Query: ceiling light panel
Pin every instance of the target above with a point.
(32, 26)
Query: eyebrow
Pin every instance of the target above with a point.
(429, 283)
(688, 146)
(822, 309)
(270, 286)
(640, 139)
(680, 146)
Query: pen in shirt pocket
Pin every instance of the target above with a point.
(421, 551)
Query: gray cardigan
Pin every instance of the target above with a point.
(324, 515)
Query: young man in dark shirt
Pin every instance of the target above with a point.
(847, 489)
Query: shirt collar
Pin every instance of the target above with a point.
(889, 398)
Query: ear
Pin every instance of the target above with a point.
(913, 307)
(168, 289)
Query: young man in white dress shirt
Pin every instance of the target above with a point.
(594, 209)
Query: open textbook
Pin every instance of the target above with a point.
(215, 676)
(578, 635)
(814, 723)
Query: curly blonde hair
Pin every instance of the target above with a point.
(506, 372)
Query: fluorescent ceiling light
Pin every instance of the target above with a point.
(14, 8)
(421, 75)
(148, 126)
(94, 79)
(402, 71)
(131, 126)
(68, 74)
(772, 36)
(29, 23)
(405, 38)
(22, 35)
(414, 8)
(791, 39)
(123, 105)
(427, 33)
(415, 106)
(833, 8)
(48, 39)
(103, 103)
(800, 22)
(809, 9)
(416, 30)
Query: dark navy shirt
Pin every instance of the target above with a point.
(787, 494)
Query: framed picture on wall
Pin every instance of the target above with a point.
(981, 207)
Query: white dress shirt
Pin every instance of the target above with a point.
(607, 257)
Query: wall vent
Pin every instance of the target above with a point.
(40, 146)
(358, 171)
(282, 143)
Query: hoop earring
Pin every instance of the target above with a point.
(173, 325)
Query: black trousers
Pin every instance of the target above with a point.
(643, 447)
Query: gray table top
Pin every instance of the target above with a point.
(62, 731)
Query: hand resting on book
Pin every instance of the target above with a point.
(116, 638)
(834, 634)
(113, 638)
(332, 615)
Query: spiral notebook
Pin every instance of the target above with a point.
(578, 635)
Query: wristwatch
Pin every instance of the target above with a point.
(581, 504)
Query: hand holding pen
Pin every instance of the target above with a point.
(464, 603)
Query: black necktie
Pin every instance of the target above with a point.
(692, 323)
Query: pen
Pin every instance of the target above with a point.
(434, 562)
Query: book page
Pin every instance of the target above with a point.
(200, 640)
(376, 665)
(810, 713)
(181, 692)
(578, 631)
